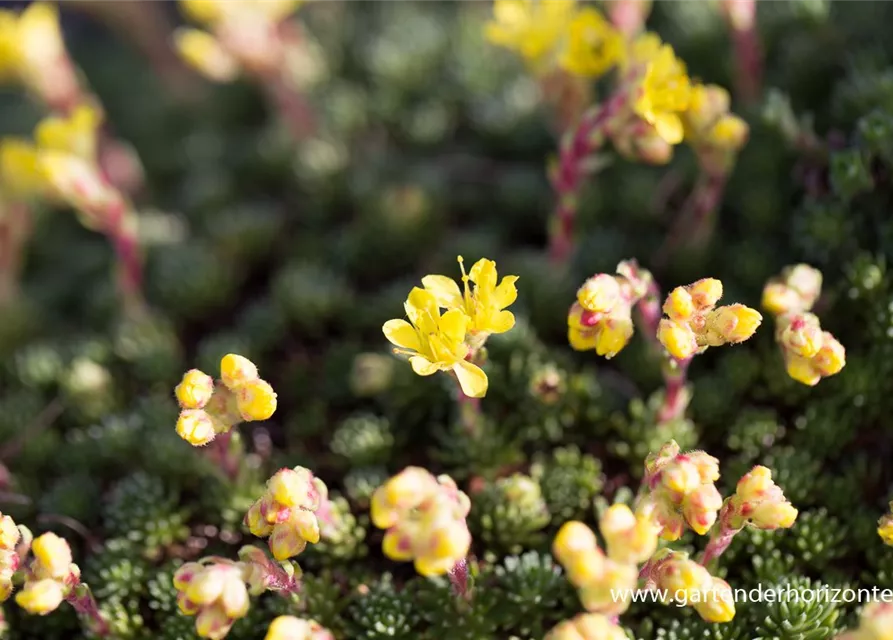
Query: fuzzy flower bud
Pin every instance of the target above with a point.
(52, 557)
(425, 520)
(717, 603)
(802, 336)
(875, 623)
(679, 304)
(236, 370)
(214, 591)
(196, 427)
(734, 323)
(630, 538)
(287, 512)
(678, 339)
(701, 506)
(587, 626)
(256, 400)
(681, 578)
(40, 597)
(758, 501)
(292, 628)
(600, 293)
(195, 390)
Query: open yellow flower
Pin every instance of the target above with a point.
(594, 46)
(663, 94)
(533, 28)
(485, 306)
(436, 342)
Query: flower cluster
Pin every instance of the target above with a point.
(682, 490)
(50, 577)
(683, 580)
(450, 341)
(714, 132)
(32, 52)
(759, 502)
(601, 318)
(292, 628)
(212, 589)
(631, 538)
(10, 537)
(875, 623)
(694, 322)
(245, 35)
(210, 408)
(288, 512)
(810, 353)
(425, 521)
(587, 626)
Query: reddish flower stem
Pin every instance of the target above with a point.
(290, 104)
(458, 576)
(675, 401)
(84, 603)
(15, 229)
(567, 179)
(223, 455)
(717, 545)
(741, 16)
(694, 227)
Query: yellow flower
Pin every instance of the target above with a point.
(292, 628)
(593, 47)
(194, 390)
(717, 603)
(642, 50)
(196, 427)
(215, 593)
(21, 174)
(435, 342)
(533, 28)
(75, 135)
(885, 528)
(52, 557)
(256, 400)
(485, 306)
(205, 54)
(663, 94)
(678, 339)
(40, 597)
(211, 12)
(733, 323)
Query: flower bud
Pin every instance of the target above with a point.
(885, 529)
(236, 370)
(40, 597)
(707, 465)
(195, 390)
(773, 515)
(679, 340)
(705, 293)
(613, 335)
(201, 51)
(735, 323)
(196, 427)
(680, 476)
(630, 538)
(679, 304)
(730, 132)
(293, 488)
(52, 557)
(611, 591)
(587, 626)
(679, 575)
(290, 628)
(573, 538)
(256, 400)
(802, 370)
(717, 604)
(831, 358)
(802, 336)
(779, 298)
(599, 293)
(701, 507)
(9, 533)
(806, 281)
(755, 484)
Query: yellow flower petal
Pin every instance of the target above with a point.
(445, 290)
(20, 171)
(203, 52)
(39, 34)
(506, 293)
(668, 127)
(423, 366)
(421, 308)
(472, 379)
(501, 322)
(454, 324)
(204, 11)
(402, 334)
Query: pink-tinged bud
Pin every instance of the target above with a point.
(256, 400)
(256, 521)
(705, 293)
(630, 538)
(806, 281)
(773, 515)
(679, 575)
(779, 299)
(831, 358)
(185, 574)
(397, 545)
(708, 466)
(718, 603)
(196, 427)
(587, 626)
(212, 622)
(673, 525)
(654, 462)
(701, 507)
(290, 488)
(207, 585)
(600, 293)
(236, 370)
(802, 336)
(195, 390)
(234, 599)
(410, 487)
(40, 597)
(680, 477)
(611, 591)
(292, 628)
(679, 340)
(755, 484)
(802, 369)
(679, 304)
(612, 335)
(286, 542)
(9, 533)
(875, 622)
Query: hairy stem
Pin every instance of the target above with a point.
(81, 598)
(567, 179)
(719, 542)
(675, 401)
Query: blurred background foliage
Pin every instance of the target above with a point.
(433, 143)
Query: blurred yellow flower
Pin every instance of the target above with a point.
(663, 94)
(210, 12)
(533, 28)
(593, 46)
(435, 342)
